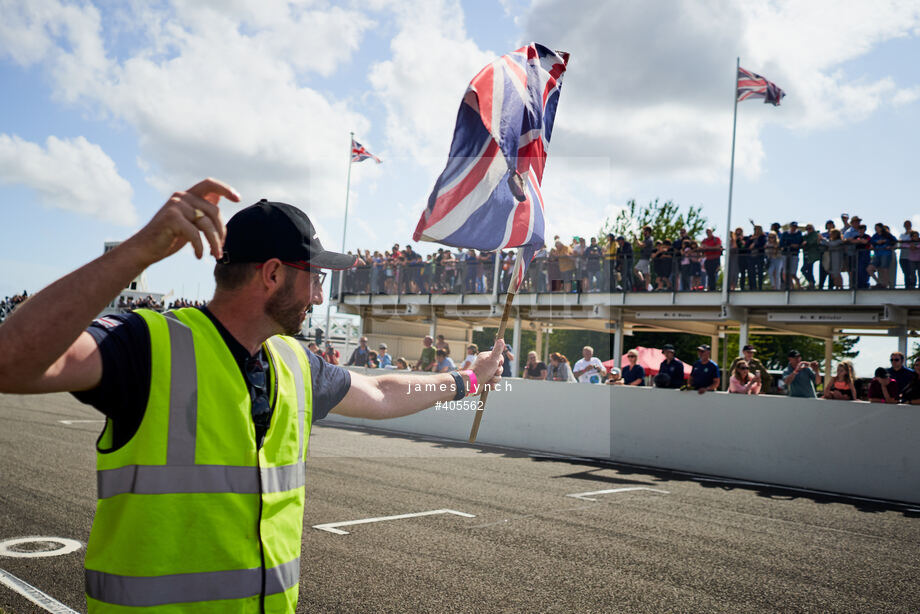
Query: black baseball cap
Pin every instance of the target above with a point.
(794, 354)
(269, 230)
(704, 348)
(749, 348)
(667, 347)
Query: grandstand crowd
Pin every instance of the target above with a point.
(9, 303)
(435, 357)
(899, 383)
(785, 257)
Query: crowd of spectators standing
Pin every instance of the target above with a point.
(10, 303)
(785, 257)
(898, 383)
(845, 254)
(575, 266)
(435, 357)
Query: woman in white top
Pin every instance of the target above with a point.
(472, 350)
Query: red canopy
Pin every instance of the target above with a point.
(649, 358)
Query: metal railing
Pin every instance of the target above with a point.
(842, 267)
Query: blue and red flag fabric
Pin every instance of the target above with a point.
(488, 196)
(752, 85)
(359, 153)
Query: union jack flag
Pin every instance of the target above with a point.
(359, 153)
(752, 85)
(488, 196)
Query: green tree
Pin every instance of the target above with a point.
(772, 350)
(569, 343)
(665, 218)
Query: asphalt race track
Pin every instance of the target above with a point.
(528, 547)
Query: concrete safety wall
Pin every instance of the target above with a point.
(848, 447)
(547, 416)
(853, 448)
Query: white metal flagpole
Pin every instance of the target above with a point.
(731, 181)
(351, 140)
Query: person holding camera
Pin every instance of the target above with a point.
(800, 376)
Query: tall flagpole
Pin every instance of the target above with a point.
(351, 140)
(512, 290)
(731, 181)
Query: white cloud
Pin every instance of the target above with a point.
(211, 88)
(649, 84)
(70, 174)
(906, 96)
(422, 84)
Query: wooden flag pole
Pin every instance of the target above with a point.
(512, 290)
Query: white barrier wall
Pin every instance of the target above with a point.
(849, 447)
(854, 448)
(548, 416)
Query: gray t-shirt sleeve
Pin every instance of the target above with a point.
(330, 385)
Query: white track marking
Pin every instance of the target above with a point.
(69, 422)
(67, 546)
(331, 526)
(42, 600)
(586, 496)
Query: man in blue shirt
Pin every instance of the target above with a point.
(633, 373)
(672, 367)
(901, 375)
(705, 374)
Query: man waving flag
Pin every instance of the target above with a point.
(488, 196)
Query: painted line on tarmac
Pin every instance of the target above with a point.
(66, 547)
(39, 598)
(586, 496)
(331, 527)
(70, 422)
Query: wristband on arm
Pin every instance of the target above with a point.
(474, 383)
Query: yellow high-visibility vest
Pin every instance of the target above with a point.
(191, 516)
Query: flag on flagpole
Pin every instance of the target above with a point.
(359, 153)
(488, 196)
(752, 85)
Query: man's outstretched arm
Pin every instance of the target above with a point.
(395, 395)
(44, 345)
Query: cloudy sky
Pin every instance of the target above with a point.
(107, 108)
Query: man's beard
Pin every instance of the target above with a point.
(284, 308)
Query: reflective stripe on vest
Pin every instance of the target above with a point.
(290, 359)
(190, 587)
(151, 584)
(166, 479)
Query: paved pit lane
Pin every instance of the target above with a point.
(649, 541)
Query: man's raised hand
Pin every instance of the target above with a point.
(184, 217)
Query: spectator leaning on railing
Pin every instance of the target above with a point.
(800, 376)
(741, 380)
(842, 386)
(534, 368)
(672, 368)
(558, 369)
(633, 374)
(757, 368)
(704, 377)
(911, 392)
(589, 369)
(883, 389)
(898, 371)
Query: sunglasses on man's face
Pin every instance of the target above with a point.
(895, 359)
(317, 277)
